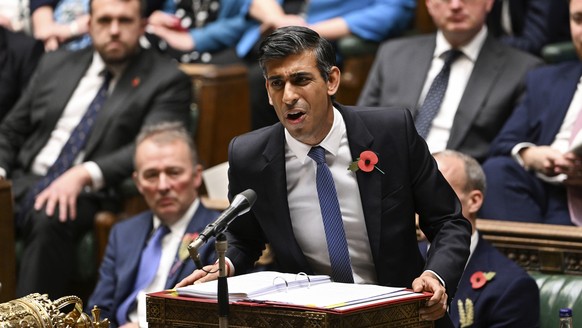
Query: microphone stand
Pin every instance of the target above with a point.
(221, 245)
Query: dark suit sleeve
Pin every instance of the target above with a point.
(245, 239)
(439, 213)
(521, 125)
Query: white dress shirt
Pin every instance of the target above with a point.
(460, 73)
(304, 203)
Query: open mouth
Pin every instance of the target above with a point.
(295, 116)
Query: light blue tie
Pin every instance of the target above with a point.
(432, 102)
(337, 245)
(148, 266)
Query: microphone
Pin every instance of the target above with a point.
(241, 204)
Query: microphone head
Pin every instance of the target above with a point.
(243, 201)
(250, 195)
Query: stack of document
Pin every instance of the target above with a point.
(253, 285)
(300, 290)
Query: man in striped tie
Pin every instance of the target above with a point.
(338, 187)
(67, 144)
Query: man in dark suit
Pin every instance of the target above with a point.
(68, 142)
(531, 165)
(168, 175)
(377, 203)
(484, 86)
(19, 55)
(529, 24)
(493, 288)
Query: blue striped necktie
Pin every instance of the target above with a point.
(148, 266)
(337, 244)
(434, 97)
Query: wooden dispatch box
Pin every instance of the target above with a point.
(167, 310)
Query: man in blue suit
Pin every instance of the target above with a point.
(168, 175)
(529, 24)
(531, 164)
(493, 288)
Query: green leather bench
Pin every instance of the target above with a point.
(551, 254)
(558, 291)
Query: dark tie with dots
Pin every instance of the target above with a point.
(432, 103)
(337, 245)
(72, 147)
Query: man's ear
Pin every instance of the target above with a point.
(333, 81)
(475, 201)
(135, 178)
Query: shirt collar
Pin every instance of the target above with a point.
(331, 142)
(98, 67)
(180, 225)
(470, 50)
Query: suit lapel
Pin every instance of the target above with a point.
(465, 293)
(369, 183)
(274, 170)
(64, 85)
(126, 87)
(182, 262)
(486, 69)
(133, 254)
(421, 55)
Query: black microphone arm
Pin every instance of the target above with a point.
(241, 204)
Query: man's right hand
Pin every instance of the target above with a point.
(208, 273)
(541, 159)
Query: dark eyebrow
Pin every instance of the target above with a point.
(293, 75)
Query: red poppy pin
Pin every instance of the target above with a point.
(480, 278)
(366, 162)
(186, 240)
(135, 82)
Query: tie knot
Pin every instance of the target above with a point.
(452, 55)
(107, 77)
(160, 232)
(317, 154)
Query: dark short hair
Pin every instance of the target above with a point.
(294, 40)
(142, 7)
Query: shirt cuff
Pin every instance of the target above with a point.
(517, 148)
(438, 277)
(96, 175)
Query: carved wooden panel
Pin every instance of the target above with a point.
(178, 312)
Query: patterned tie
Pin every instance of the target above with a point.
(72, 147)
(575, 193)
(432, 103)
(337, 245)
(148, 266)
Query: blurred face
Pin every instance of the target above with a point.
(166, 177)
(115, 27)
(459, 20)
(301, 97)
(453, 169)
(576, 24)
